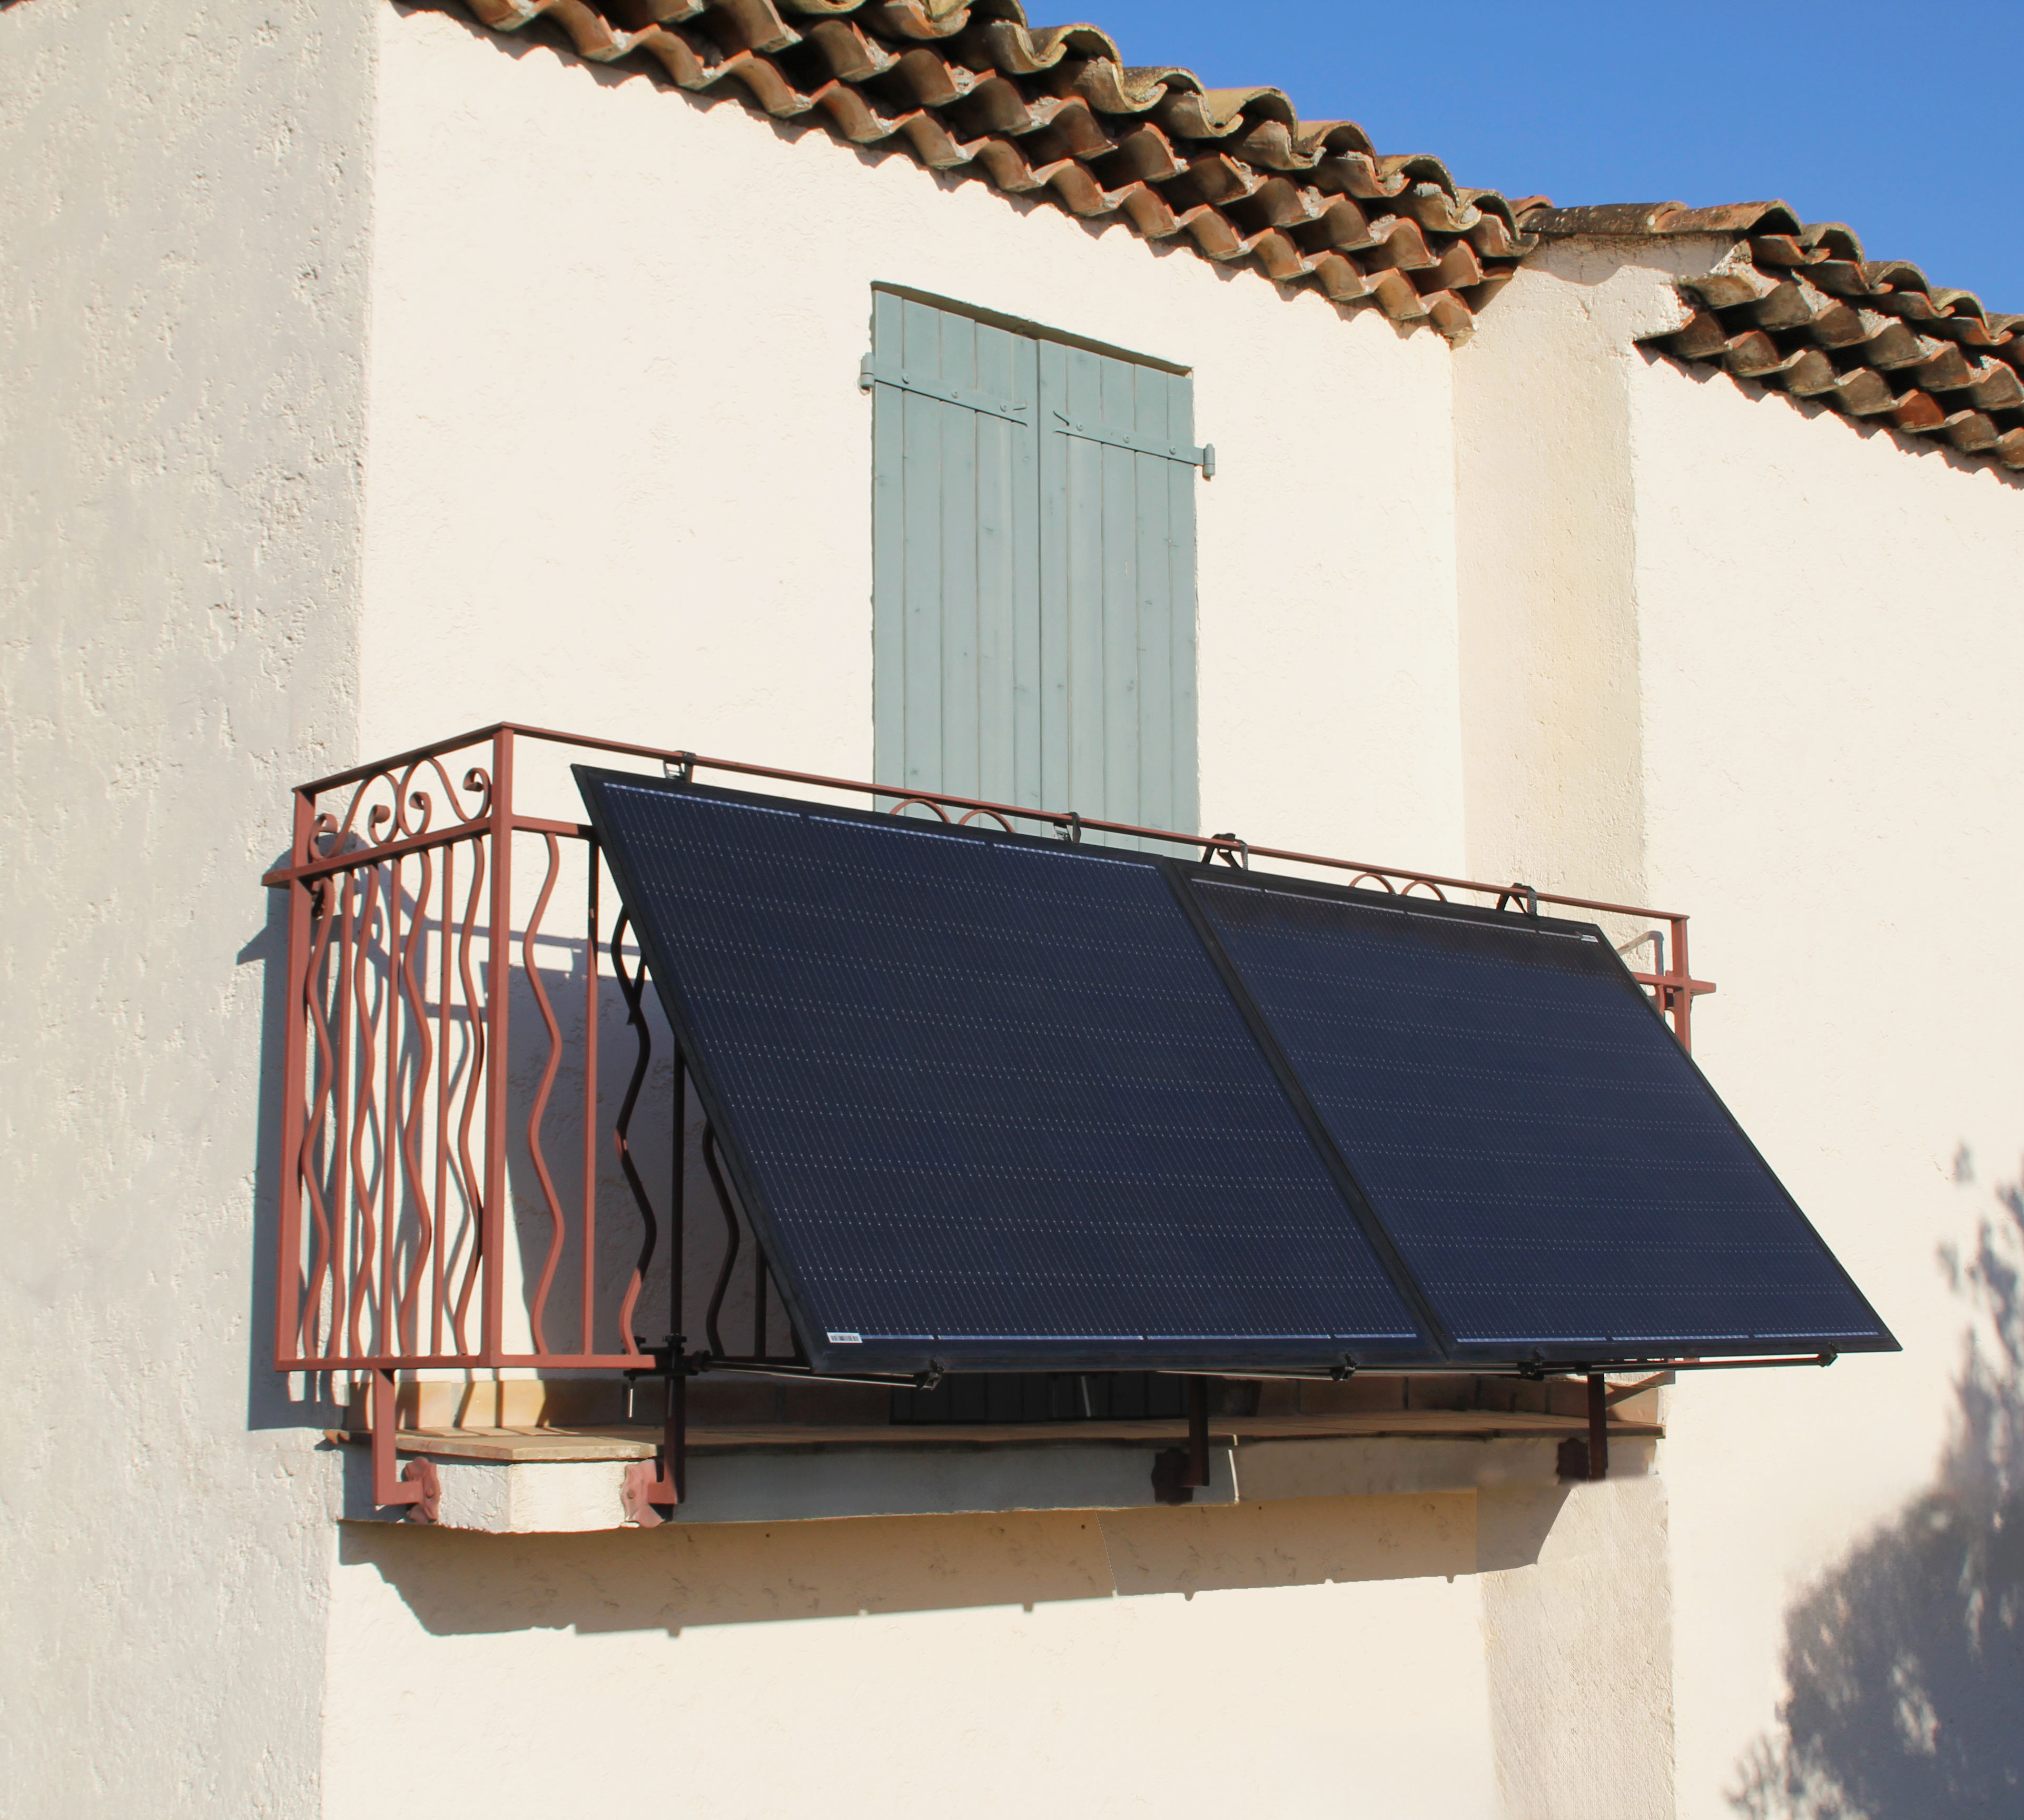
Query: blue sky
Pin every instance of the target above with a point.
(1897, 119)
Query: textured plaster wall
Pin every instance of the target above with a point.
(1317, 1656)
(621, 472)
(1832, 746)
(182, 204)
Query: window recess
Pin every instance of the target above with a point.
(1033, 565)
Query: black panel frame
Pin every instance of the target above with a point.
(1257, 1357)
(1549, 1357)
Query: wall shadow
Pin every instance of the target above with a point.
(272, 1400)
(1905, 1663)
(677, 1576)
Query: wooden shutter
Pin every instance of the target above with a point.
(955, 555)
(1034, 548)
(1117, 588)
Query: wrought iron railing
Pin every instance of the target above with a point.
(461, 1188)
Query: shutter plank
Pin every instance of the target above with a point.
(1153, 607)
(954, 766)
(888, 556)
(921, 344)
(1183, 766)
(1007, 534)
(1023, 568)
(1087, 644)
(1056, 539)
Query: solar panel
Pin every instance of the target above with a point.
(986, 1098)
(1556, 1172)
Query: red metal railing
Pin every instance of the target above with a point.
(447, 1197)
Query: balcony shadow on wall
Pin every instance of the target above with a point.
(1905, 1664)
(676, 1577)
(270, 1404)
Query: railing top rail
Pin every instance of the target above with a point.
(1062, 820)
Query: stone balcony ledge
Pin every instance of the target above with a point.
(537, 1479)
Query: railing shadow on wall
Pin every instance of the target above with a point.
(464, 1184)
(1904, 1663)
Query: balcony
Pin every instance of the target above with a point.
(504, 1230)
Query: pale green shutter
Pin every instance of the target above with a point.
(1117, 588)
(955, 615)
(1033, 590)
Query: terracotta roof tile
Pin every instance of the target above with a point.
(1795, 305)
(1055, 112)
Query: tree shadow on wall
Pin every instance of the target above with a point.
(1905, 1664)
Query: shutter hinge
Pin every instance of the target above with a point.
(1203, 458)
(871, 372)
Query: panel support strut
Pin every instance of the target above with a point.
(1179, 1473)
(1598, 1426)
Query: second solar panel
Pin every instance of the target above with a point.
(1558, 1175)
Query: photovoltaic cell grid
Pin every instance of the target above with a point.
(1554, 1170)
(996, 1102)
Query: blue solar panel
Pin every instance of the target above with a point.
(988, 1099)
(1554, 1170)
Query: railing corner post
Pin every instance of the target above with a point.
(288, 1284)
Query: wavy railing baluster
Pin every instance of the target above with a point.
(393, 1134)
(365, 1111)
(345, 1260)
(474, 1089)
(558, 1225)
(422, 1062)
(632, 988)
(442, 1100)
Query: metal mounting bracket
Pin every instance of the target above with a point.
(417, 1485)
(1178, 1473)
(651, 1486)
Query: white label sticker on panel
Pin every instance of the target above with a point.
(846, 1339)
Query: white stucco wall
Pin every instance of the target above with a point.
(182, 301)
(1832, 750)
(1319, 1657)
(1746, 659)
